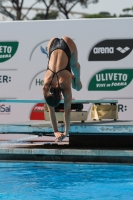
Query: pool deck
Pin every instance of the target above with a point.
(93, 141)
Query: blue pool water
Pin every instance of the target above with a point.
(47, 181)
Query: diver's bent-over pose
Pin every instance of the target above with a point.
(63, 57)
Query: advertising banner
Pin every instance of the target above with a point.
(104, 53)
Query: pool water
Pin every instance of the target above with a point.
(50, 181)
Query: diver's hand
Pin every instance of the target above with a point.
(76, 84)
(60, 136)
(57, 134)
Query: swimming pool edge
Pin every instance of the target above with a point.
(67, 155)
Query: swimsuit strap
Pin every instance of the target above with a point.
(55, 73)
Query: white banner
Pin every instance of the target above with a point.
(105, 55)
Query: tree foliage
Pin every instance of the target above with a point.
(126, 15)
(65, 6)
(127, 9)
(17, 6)
(42, 16)
(104, 13)
(100, 15)
(48, 4)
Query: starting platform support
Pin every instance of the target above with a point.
(101, 109)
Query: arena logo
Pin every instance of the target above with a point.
(111, 50)
(7, 50)
(102, 50)
(123, 50)
(5, 109)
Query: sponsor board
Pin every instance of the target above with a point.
(7, 50)
(122, 108)
(40, 47)
(37, 112)
(39, 52)
(111, 80)
(111, 50)
(22, 77)
(125, 109)
(5, 79)
(4, 109)
(37, 80)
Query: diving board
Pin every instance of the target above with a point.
(62, 101)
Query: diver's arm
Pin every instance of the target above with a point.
(53, 118)
(67, 109)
